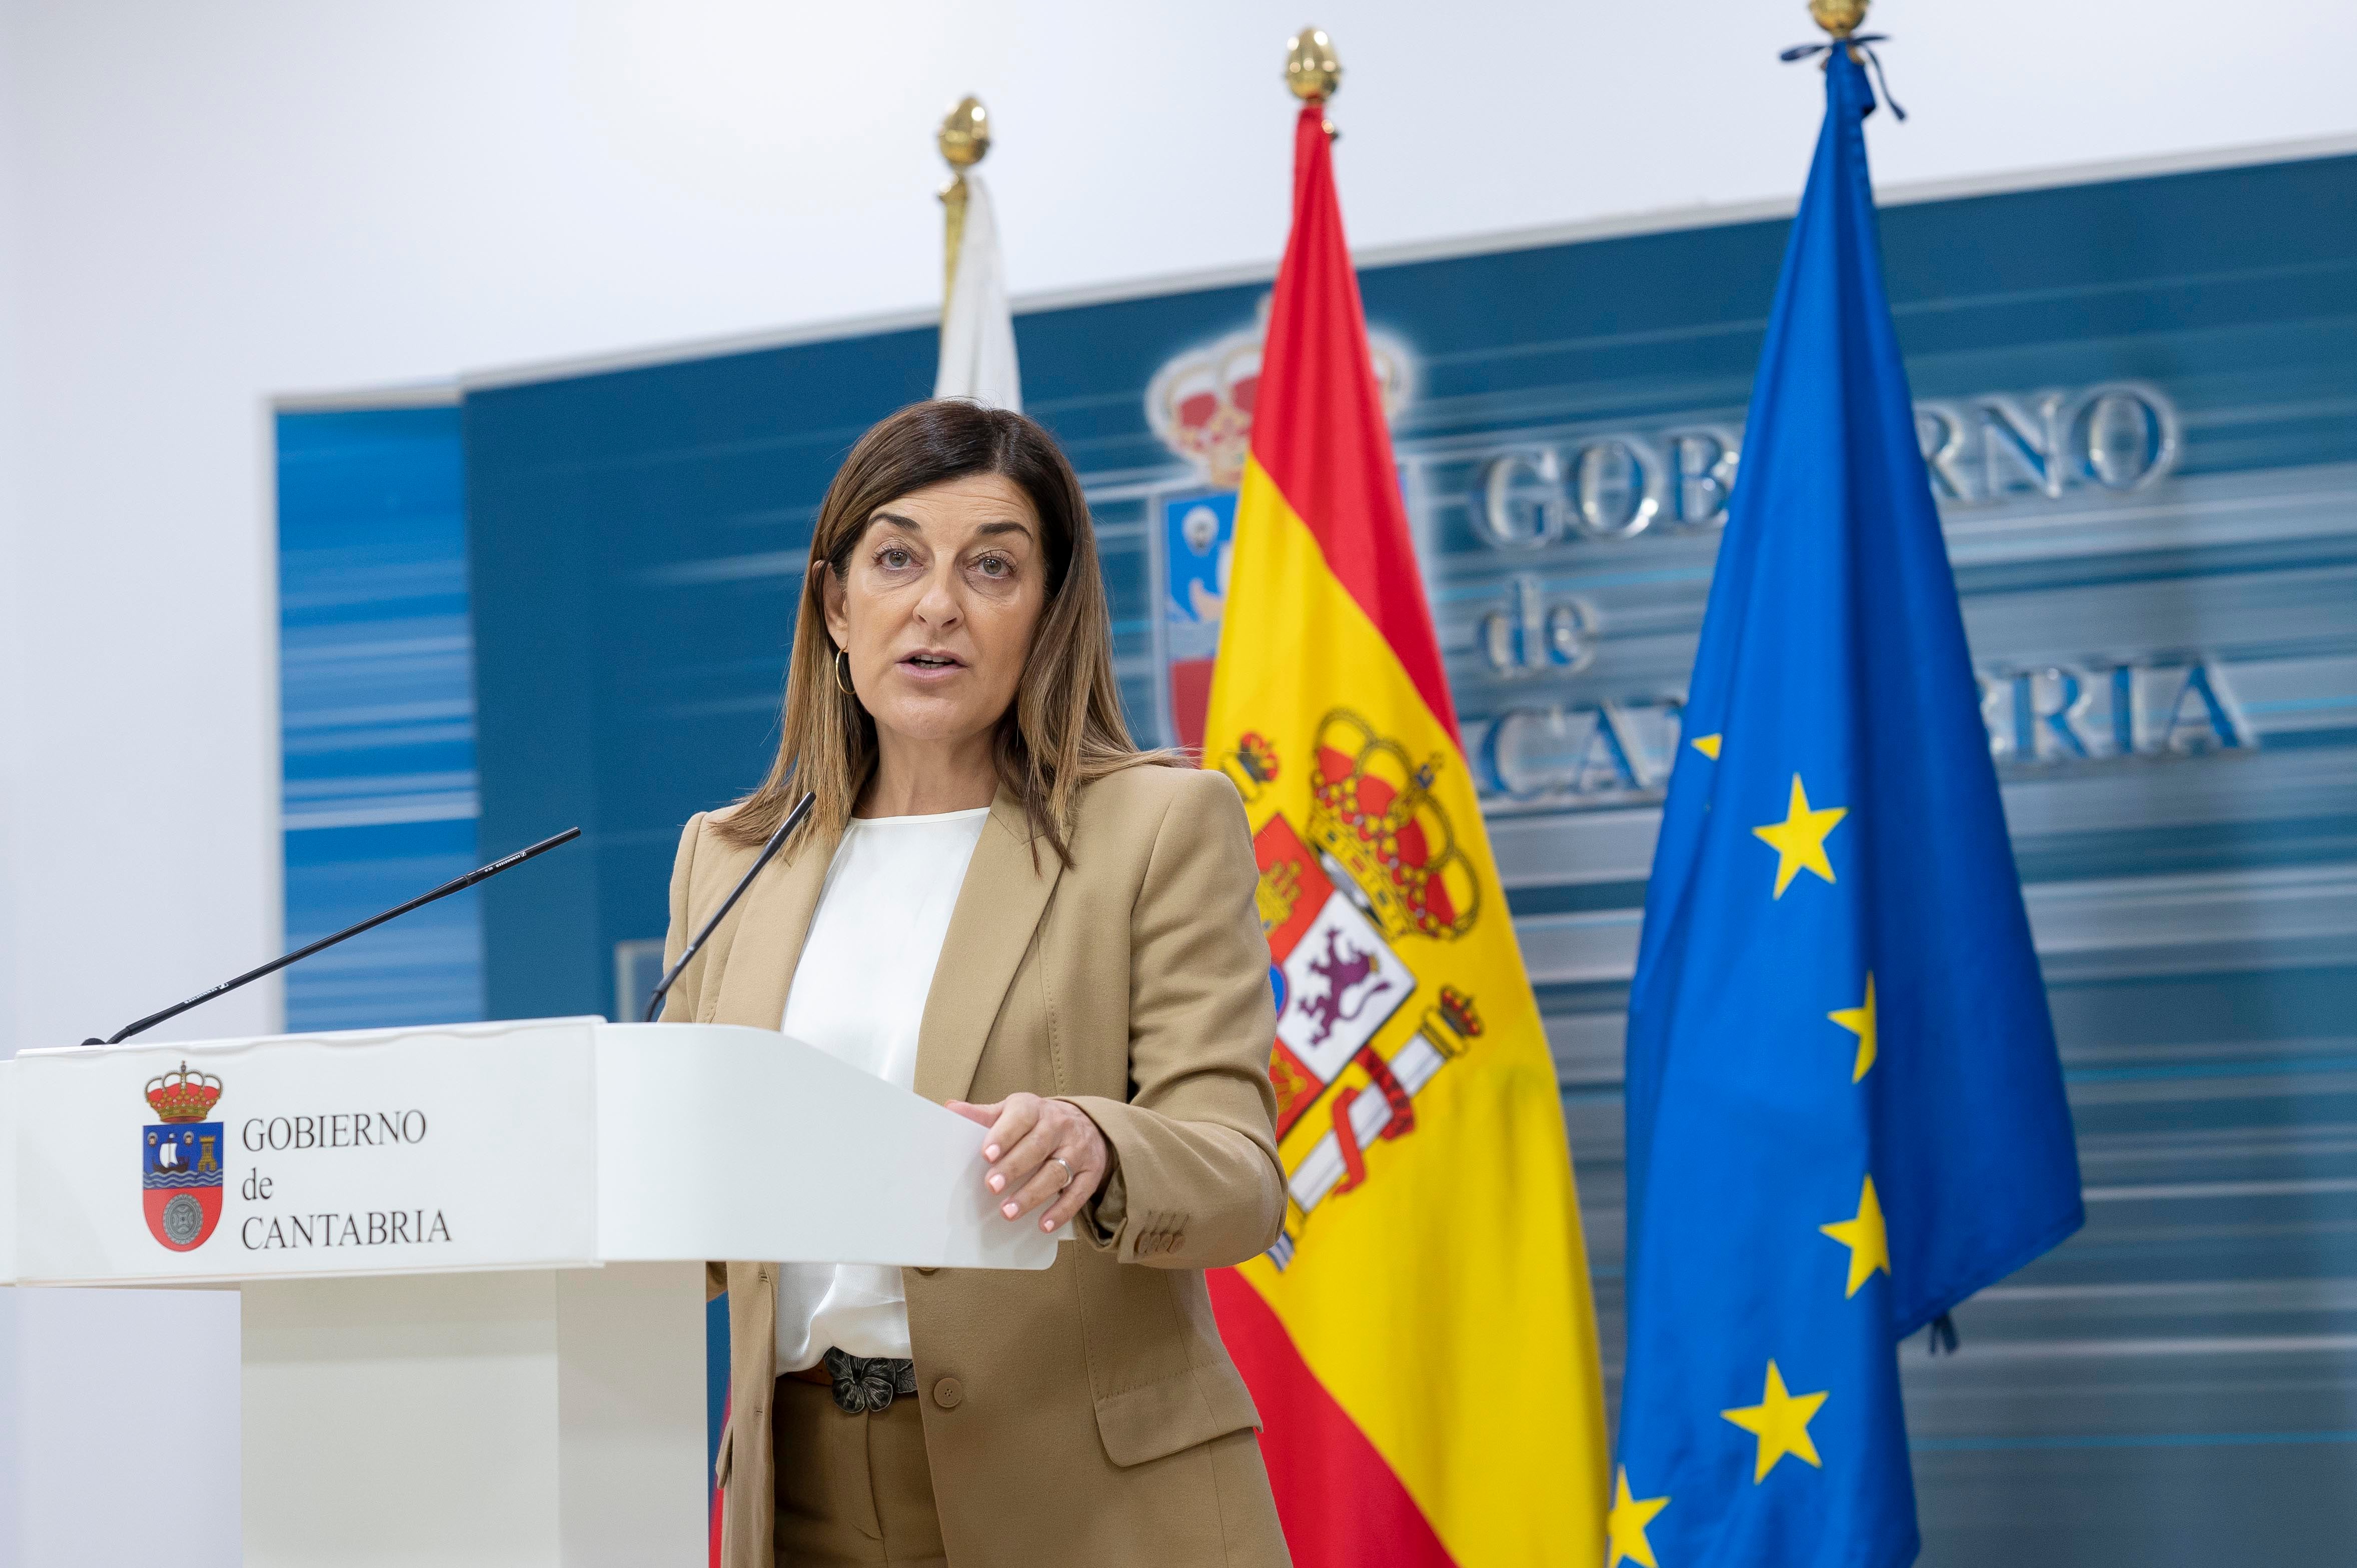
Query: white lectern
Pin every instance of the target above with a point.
(471, 1256)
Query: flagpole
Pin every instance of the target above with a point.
(965, 139)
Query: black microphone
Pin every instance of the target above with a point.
(793, 819)
(275, 964)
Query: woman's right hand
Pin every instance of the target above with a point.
(1040, 1151)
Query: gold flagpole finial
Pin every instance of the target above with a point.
(1838, 17)
(1311, 67)
(965, 139)
(965, 134)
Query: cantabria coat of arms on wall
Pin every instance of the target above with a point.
(1200, 404)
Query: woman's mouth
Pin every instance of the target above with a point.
(930, 662)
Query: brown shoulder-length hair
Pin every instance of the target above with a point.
(1064, 728)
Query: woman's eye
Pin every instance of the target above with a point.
(995, 566)
(892, 560)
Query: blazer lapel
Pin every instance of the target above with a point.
(997, 909)
(772, 921)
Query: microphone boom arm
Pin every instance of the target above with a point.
(793, 819)
(458, 885)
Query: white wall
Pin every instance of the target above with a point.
(13, 675)
(206, 204)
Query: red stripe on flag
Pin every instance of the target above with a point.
(1319, 429)
(714, 1521)
(1340, 1504)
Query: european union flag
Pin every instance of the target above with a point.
(1846, 1110)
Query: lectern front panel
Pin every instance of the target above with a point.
(385, 1151)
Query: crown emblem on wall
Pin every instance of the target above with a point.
(183, 1095)
(1200, 402)
(1370, 809)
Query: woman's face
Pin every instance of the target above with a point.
(937, 609)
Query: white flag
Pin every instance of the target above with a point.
(977, 329)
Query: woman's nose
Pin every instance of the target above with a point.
(939, 605)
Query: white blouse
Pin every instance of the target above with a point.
(858, 995)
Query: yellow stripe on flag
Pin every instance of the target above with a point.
(1443, 1300)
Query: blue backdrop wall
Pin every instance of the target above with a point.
(2141, 399)
(377, 714)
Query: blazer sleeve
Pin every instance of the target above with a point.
(679, 1003)
(1196, 1183)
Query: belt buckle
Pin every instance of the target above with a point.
(866, 1385)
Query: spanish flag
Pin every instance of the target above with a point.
(1421, 1340)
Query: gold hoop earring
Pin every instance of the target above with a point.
(843, 673)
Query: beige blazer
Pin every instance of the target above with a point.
(1086, 1413)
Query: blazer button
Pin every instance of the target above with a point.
(929, 1273)
(949, 1394)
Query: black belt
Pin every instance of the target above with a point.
(862, 1384)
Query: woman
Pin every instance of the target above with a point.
(1001, 903)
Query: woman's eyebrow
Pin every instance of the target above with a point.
(1004, 528)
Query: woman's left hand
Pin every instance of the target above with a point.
(1040, 1151)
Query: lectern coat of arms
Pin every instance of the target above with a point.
(180, 1159)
